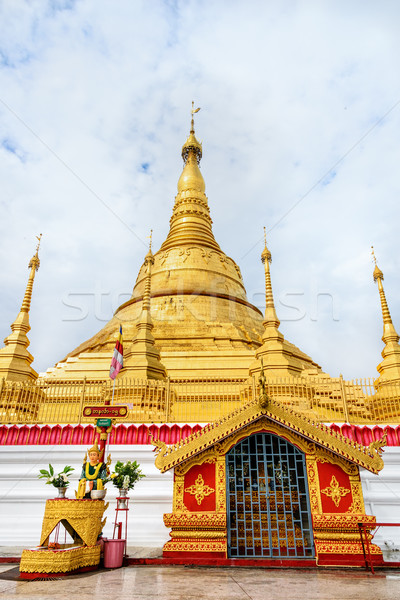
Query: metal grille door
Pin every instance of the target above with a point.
(267, 499)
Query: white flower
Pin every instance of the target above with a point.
(64, 476)
(125, 483)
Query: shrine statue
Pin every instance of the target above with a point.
(93, 472)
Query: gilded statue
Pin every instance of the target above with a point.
(94, 471)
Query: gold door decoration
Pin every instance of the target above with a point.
(199, 490)
(335, 491)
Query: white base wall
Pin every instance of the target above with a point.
(23, 495)
(382, 499)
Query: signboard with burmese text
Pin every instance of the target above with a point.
(90, 412)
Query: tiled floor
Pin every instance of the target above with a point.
(187, 583)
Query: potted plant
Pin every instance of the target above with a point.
(59, 481)
(125, 476)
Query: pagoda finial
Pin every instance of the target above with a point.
(378, 276)
(192, 145)
(271, 317)
(190, 223)
(193, 112)
(377, 272)
(266, 254)
(34, 265)
(149, 262)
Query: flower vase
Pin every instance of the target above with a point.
(61, 492)
(122, 495)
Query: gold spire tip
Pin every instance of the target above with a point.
(38, 237)
(377, 272)
(193, 112)
(35, 262)
(150, 239)
(265, 254)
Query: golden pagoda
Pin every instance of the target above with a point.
(236, 410)
(202, 322)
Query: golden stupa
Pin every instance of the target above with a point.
(194, 347)
(201, 319)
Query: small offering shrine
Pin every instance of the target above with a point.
(83, 520)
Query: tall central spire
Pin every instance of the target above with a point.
(191, 222)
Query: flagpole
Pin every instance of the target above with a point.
(112, 399)
(108, 436)
(116, 366)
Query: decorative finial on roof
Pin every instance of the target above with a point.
(35, 262)
(149, 262)
(377, 272)
(270, 313)
(193, 112)
(34, 265)
(192, 144)
(378, 276)
(266, 254)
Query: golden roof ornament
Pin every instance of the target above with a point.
(35, 262)
(377, 272)
(192, 144)
(265, 254)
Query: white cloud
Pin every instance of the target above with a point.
(91, 91)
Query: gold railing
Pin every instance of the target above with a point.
(322, 399)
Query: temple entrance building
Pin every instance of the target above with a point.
(265, 482)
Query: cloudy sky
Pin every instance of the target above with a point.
(300, 125)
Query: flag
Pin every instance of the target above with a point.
(117, 359)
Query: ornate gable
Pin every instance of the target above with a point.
(274, 413)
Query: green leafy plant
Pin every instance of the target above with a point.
(127, 474)
(59, 480)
